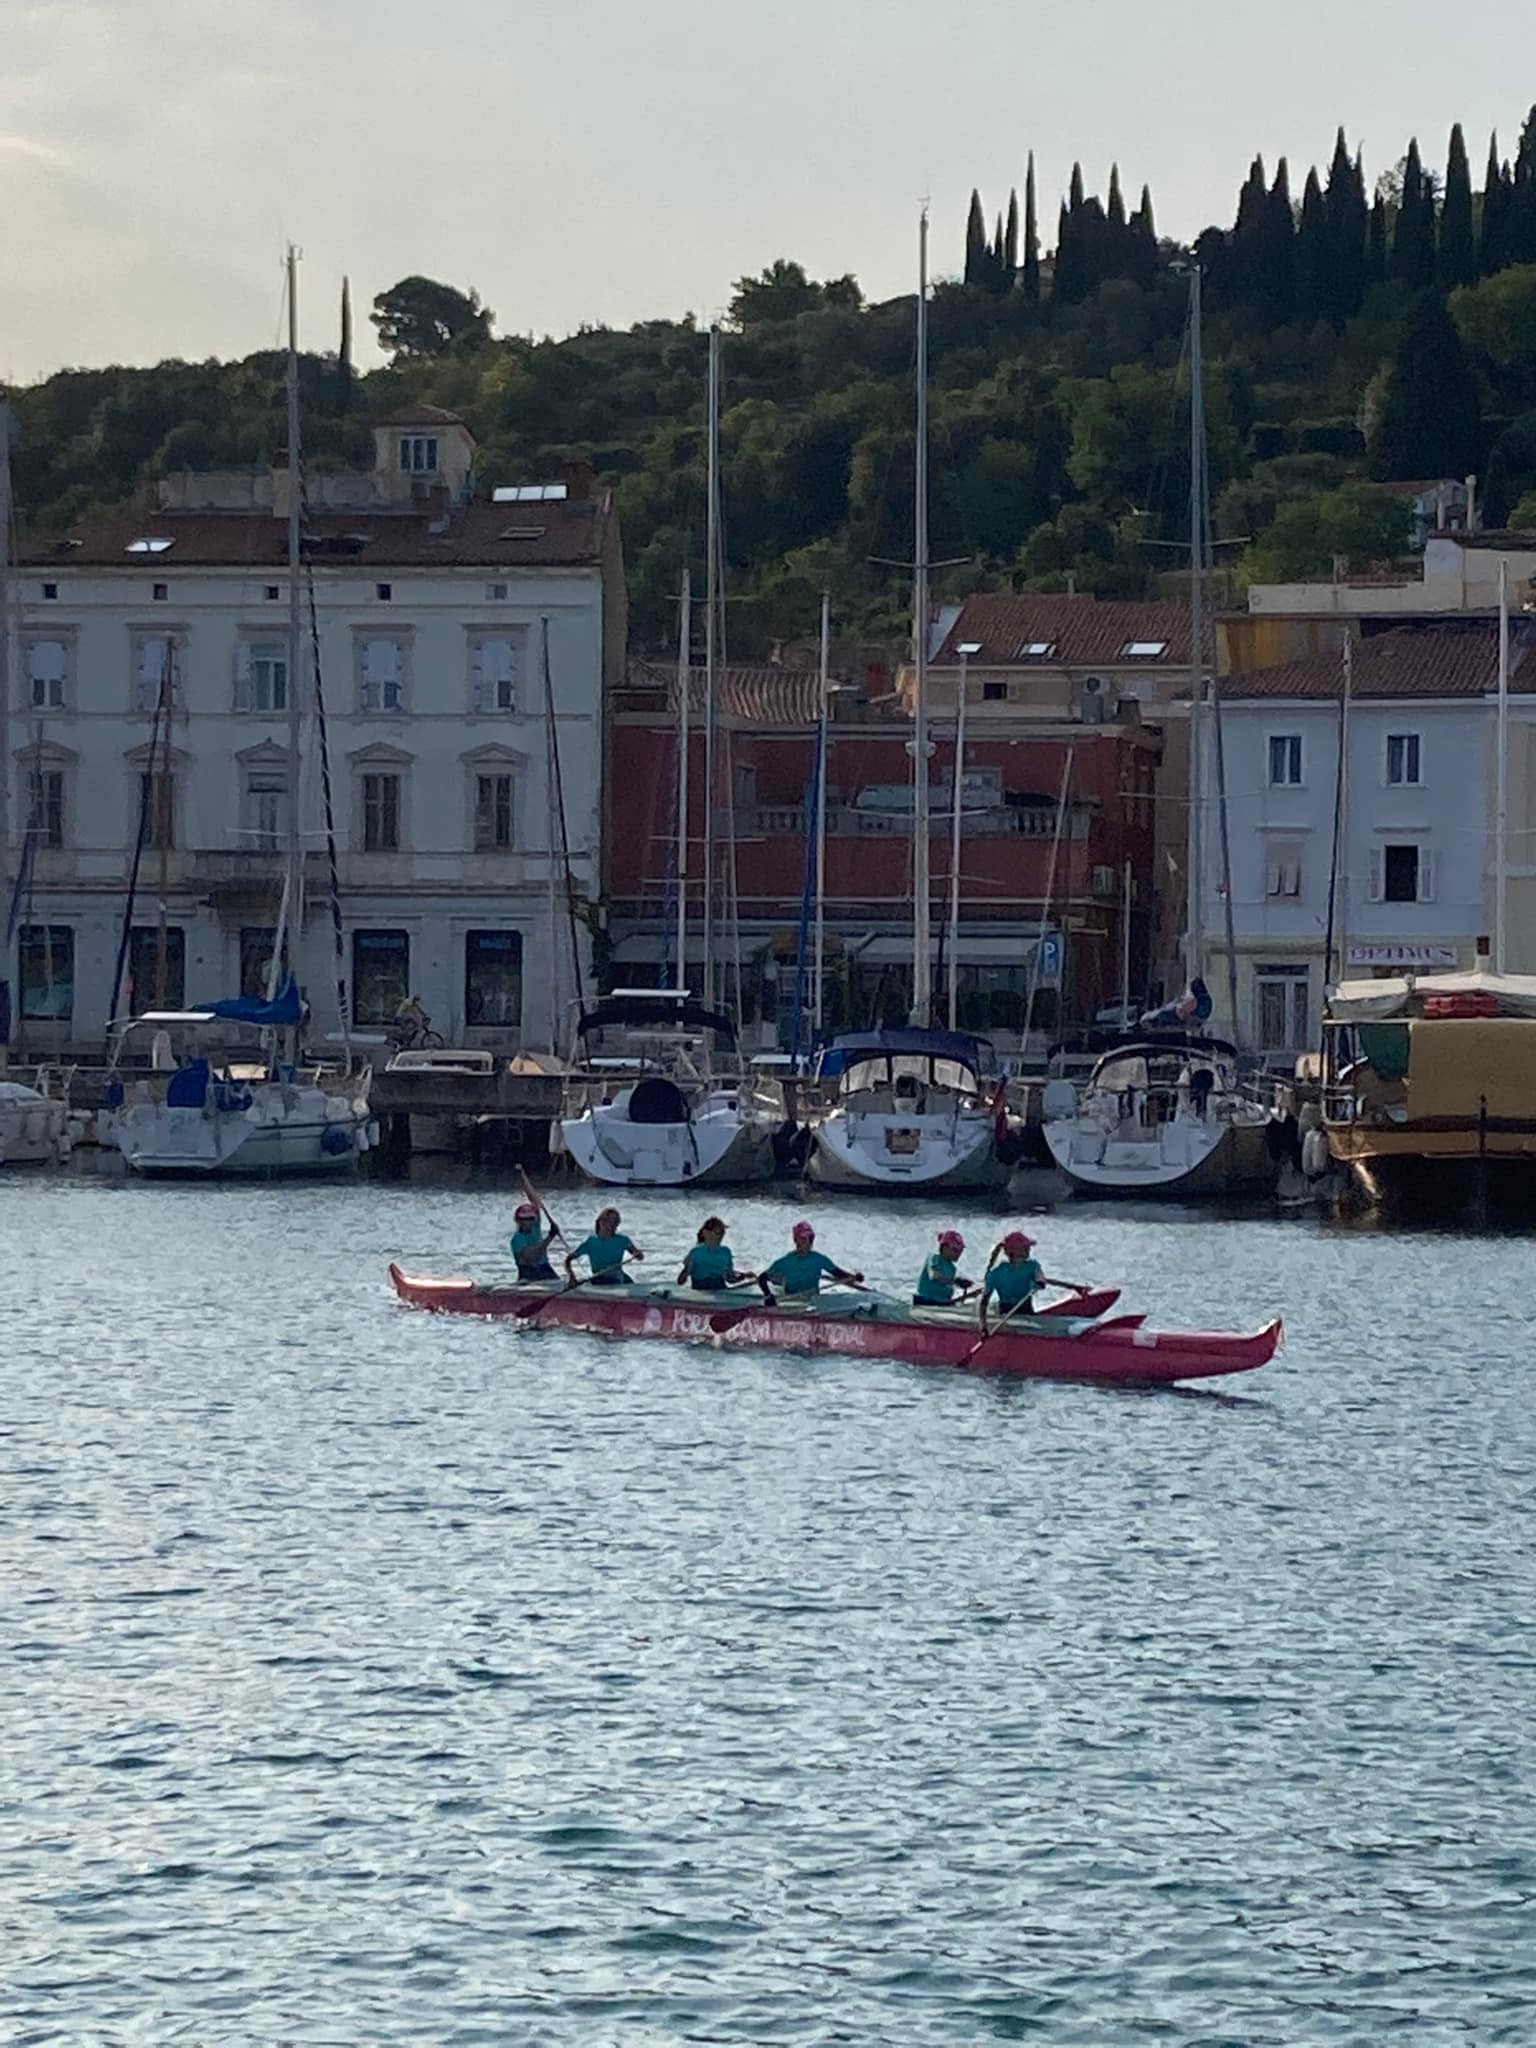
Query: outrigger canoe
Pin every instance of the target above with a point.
(1121, 1351)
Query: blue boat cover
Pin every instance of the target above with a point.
(975, 1053)
(188, 1086)
(286, 1007)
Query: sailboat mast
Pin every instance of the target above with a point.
(7, 683)
(823, 711)
(1501, 804)
(294, 877)
(711, 605)
(1194, 965)
(957, 799)
(684, 683)
(922, 995)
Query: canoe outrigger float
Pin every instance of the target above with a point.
(1051, 1346)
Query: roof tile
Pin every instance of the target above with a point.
(1439, 660)
(1083, 631)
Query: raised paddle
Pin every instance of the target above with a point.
(538, 1202)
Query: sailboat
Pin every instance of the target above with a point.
(214, 1106)
(912, 1109)
(1167, 1116)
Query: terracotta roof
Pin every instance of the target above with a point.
(1084, 631)
(1460, 660)
(1495, 541)
(420, 416)
(555, 533)
(767, 694)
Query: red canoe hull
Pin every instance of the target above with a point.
(1120, 1354)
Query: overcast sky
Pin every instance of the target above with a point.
(608, 161)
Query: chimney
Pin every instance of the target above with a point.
(577, 475)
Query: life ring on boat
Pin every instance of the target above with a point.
(334, 1140)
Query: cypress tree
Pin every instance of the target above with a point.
(1095, 246)
(344, 350)
(1376, 244)
(1493, 236)
(1031, 235)
(1143, 240)
(1413, 244)
(1458, 249)
(1314, 272)
(1244, 260)
(1063, 277)
(1144, 213)
(1075, 190)
(1343, 280)
(1116, 207)
(1011, 240)
(1273, 287)
(1521, 213)
(1430, 424)
(975, 243)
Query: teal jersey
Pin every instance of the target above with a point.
(710, 1262)
(800, 1272)
(603, 1254)
(1013, 1284)
(936, 1282)
(528, 1246)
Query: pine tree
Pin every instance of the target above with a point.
(1376, 244)
(976, 243)
(1011, 240)
(1413, 244)
(1430, 424)
(344, 350)
(1493, 233)
(1458, 249)
(1314, 270)
(1031, 235)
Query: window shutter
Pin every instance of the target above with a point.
(477, 675)
(1426, 875)
(1272, 881)
(243, 693)
(1374, 884)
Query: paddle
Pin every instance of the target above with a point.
(996, 1330)
(538, 1202)
(531, 1309)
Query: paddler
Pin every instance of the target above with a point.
(530, 1244)
(711, 1264)
(941, 1283)
(1017, 1279)
(605, 1252)
(798, 1274)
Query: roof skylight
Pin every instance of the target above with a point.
(528, 494)
(1147, 649)
(148, 544)
(1037, 650)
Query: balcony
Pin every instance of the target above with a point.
(235, 877)
(994, 821)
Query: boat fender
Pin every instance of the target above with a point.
(334, 1140)
(1315, 1156)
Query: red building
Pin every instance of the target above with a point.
(1026, 868)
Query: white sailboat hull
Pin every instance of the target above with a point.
(898, 1151)
(285, 1132)
(1174, 1161)
(717, 1148)
(34, 1129)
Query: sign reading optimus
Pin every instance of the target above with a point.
(1402, 956)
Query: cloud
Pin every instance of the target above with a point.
(36, 152)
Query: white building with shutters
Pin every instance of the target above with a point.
(465, 775)
(1412, 886)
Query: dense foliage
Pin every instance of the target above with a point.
(1354, 337)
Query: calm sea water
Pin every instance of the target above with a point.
(370, 1678)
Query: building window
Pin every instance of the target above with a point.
(381, 975)
(50, 592)
(257, 945)
(493, 980)
(1285, 760)
(380, 672)
(994, 693)
(1403, 760)
(496, 592)
(1282, 872)
(261, 682)
(45, 806)
(156, 668)
(149, 986)
(266, 808)
(47, 972)
(47, 674)
(1403, 874)
(161, 592)
(495, 663)
(381, 812)
(1284, 1008)
(493, 813)
(384, 592)
(157, 809)
(272, 591)
(418, 454)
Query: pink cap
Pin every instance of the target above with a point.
(525, 1209)
(951, 1241)
(802, 1229)
(1016, 1241)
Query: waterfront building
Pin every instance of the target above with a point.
(1020, 875)
(1413, 883)
(433, 597)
